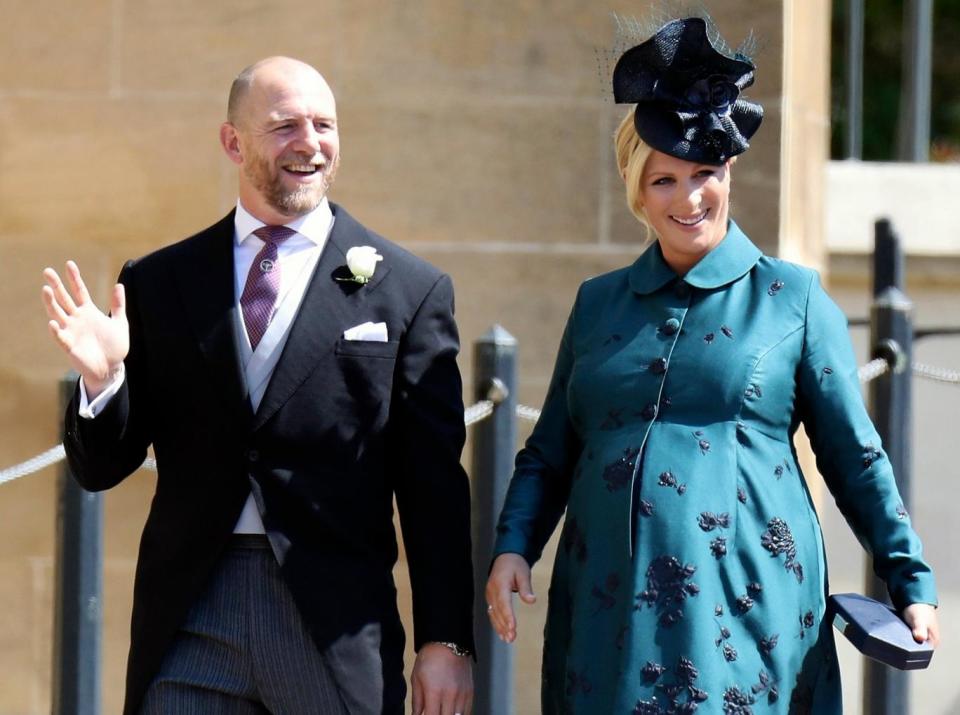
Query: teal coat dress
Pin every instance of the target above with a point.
(690, 574)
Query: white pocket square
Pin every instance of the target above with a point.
(376, 332)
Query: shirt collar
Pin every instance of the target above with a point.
(315, 226)
(731, 259)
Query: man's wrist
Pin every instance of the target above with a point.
(454, 648)
(94, 386)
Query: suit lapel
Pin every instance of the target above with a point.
(328, 305)
(205, 282)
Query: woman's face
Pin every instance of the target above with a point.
(687, 205)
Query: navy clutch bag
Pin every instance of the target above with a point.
(877, 631)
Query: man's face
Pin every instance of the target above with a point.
(288, 142)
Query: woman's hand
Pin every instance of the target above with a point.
(922, 619)
(510, 574)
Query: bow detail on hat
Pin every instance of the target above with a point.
(688, 94)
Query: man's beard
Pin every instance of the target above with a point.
(290, 202)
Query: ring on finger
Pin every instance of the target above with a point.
(489, 610)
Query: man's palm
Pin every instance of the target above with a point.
(95, 343)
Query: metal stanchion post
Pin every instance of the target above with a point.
(494, 443)
(78, 591)
(885, 690)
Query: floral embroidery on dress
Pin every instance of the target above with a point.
(603, 596)
(651, 671)
(737, 702)
(708, 338)
(718, 547)
(667, 479)
(668, 588)
(775, 287)
(778, 539)
(618, 474)
(613, 421)
(870, 454)
(709, 521)
(683, 696)
(780, 468)
(767, 685)
(621, 637)
(766, 645)
(726, 331)
(578, 682)
(574, 541)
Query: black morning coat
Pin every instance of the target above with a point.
(343, 428)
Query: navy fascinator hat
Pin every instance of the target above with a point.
(687, 94)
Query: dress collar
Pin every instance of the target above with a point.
(731, 259)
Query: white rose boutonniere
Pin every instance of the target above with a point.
(362, 262)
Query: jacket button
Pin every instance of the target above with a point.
(671, 326)
(658, 366)
(682, 290)
(649, 412)
(253, 455)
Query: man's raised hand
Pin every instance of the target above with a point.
(96, 343)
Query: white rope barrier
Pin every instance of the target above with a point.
(528, 413)
(873, 369)
(939, 374)
(477, 412)
(41, 461)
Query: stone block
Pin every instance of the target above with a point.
(526, 48)
(136, 173)
(482, 172)
(60, 46)
(25, 634)
(182, 47)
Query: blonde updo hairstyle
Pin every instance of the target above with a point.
(632, 154)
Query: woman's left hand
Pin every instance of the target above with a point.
(922, 619)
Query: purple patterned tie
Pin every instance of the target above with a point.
(263, 282)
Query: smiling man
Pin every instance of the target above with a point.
(288, 403)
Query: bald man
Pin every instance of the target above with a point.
(290, 396)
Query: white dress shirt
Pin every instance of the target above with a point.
(297, 256)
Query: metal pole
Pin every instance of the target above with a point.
(914, 134)
(854, 134)
(494, 444)
(885, 690)
(78, 591)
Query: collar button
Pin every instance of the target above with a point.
(671, 326)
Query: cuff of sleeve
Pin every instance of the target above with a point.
(88, 409)
(920, 590)
(513, 543)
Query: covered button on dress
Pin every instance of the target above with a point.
(690, 574)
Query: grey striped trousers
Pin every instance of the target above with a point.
(244, 648)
